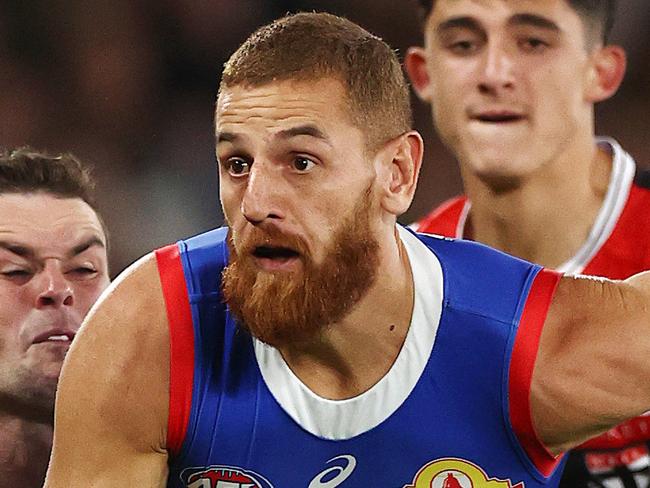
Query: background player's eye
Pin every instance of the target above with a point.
(463, 47)
(303, 164)
(533, 44)
(16, 273)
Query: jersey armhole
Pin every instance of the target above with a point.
(522, 362)
(181, 345)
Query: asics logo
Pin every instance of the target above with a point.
(343, 471)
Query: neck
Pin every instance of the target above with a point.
(545, 217)
(24, 451)
(355, 353)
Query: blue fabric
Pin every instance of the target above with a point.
(239, 435)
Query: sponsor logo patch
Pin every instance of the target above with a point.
(335, 475)
(223, 477)
(456, 473)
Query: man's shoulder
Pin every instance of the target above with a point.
(199, 259)
(479, 279)
(209, 239)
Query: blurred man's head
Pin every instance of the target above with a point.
(512, 85)
(53, 266)
(316, 161)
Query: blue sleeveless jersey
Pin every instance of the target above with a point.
(453, 411)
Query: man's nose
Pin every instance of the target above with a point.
(262, 196)
(53, 288)
(497, 70)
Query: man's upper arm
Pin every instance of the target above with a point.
(112, 401)
(593, 364)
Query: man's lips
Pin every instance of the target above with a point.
(275, 258)
(63, 336)
(497, 116)
(275, 252)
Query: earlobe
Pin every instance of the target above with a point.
(415, 64)
(607, 72)
(404, 161)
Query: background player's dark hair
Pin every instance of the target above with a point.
(311, 46)
(597, 14)
(26, 170)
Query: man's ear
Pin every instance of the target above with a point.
(401, 160)
(606, 73)
(415, 64)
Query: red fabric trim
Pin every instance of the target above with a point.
(522, 362)
(181, 344)
(443, 220)
(629, 433)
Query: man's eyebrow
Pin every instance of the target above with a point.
(516, 20)
(17, 249)
(300, 130)
(93, 241)
(534, 21)
(303, 130)
(28, 252)
(458, 23)
(227, 137)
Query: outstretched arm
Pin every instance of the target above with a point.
(112, 403)
(593, 363)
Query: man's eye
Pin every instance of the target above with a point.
(238, 167)
(84, 271)
(16, 273)
(463, 47)
(18, 276)
(303, 164)
(533, 44)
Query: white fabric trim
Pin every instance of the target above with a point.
(618, 190)
(622, 176)
(462, 219)
(344, 419)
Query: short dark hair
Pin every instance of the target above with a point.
(308, 46)
(598, 15)
(26, 170)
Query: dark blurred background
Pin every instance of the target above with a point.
(129, 87)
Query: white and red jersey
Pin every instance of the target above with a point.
(617, 247)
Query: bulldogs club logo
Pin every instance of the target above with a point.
(223, 477)
(456, 473)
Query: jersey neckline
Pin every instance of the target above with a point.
(344, 419)
(618, 190)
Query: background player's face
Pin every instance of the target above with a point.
(507, 81)
(53, 267)
(292, 161)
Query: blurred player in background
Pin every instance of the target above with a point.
(53, 266)
(512, 87)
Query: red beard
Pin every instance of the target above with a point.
(282, 308)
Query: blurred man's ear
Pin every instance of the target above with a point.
(415, 65)
(606, 73)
